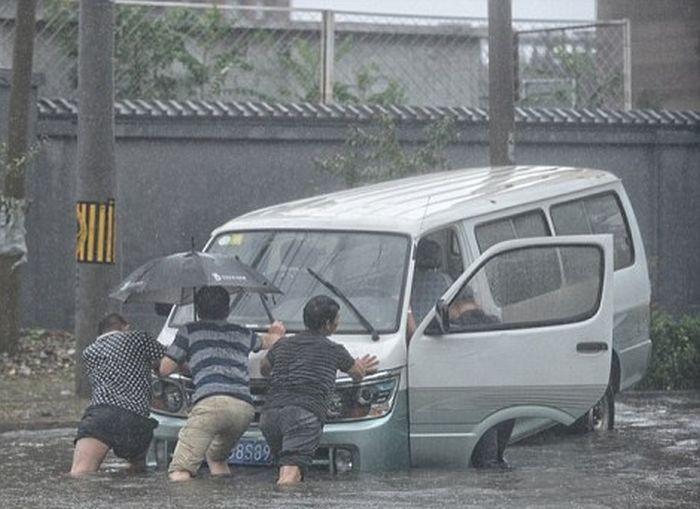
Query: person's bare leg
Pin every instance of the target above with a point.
(88, 456)
(180, 475)
(289, 475)
(218, 467)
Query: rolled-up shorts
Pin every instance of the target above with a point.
(128, 434)
(213, 427)
(293, 434)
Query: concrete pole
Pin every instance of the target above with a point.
(17, 147)
(501, 84)
(96, 165)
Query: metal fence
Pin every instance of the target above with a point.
(177, 50)
(582, 66)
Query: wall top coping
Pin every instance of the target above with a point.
(53, 108)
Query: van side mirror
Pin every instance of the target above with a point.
(441, 323)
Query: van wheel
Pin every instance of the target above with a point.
(601, 417)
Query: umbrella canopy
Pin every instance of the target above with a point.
(173, 279)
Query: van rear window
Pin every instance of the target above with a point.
(598, 215)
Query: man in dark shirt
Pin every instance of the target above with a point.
(303, 370)
(217, 354)
(119, 364)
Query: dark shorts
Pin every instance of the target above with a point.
(126, 433)
(293, 434)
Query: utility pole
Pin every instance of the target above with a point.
(96, 165)
(17, 148)
(501, 84)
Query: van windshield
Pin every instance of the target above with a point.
(369, 268)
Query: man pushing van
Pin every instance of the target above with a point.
(217, 354)
(303, 369)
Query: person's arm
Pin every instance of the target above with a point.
(153, 349)
(411, 324)
(356, 368)
(268, 361)
(167, 366)
(265, 366)
(274, 333)
(175, 355)
(363, 366)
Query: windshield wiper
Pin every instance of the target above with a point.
(336, 291)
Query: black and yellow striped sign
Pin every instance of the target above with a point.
(96, 232)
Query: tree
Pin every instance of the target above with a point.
(181, 53)
(12, 200)
(374, 153)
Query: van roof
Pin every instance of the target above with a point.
(417, 204)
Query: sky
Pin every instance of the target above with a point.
(583, 10)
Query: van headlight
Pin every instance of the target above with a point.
(373, 397)
(169, 396)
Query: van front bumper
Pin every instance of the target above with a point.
(365, 446)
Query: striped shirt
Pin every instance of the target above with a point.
(303, 372)
(119, 367)
(217, 354)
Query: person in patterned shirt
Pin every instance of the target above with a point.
(119, 364)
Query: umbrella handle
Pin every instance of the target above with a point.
(267, 308)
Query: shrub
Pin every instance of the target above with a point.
(675, 358)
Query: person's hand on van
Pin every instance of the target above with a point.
(274, 333)
(365, 365)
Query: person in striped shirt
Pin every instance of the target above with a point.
(216, 352)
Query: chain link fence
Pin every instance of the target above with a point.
(584, 66)
(176, 50)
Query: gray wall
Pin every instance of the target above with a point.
(180, 177)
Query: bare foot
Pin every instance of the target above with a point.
(289, 475)
(180, 475)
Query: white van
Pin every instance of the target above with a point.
(551, 255)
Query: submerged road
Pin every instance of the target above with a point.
(651, 460)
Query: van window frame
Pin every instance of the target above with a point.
(537, 210)
(581, 317)
(406, 265)
(623, 213)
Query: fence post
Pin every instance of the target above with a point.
(327, 56)
(627, 62)
(516, 67)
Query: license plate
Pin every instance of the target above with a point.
(251, 451)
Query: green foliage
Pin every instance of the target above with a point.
(14, 169)
(374, 154)
(302, 63)
(675, 359)
(178, 53)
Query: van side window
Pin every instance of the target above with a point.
(529, 224)
(438, 264)
(596, 214)
(541, 295)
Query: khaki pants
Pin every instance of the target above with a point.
(213, 427)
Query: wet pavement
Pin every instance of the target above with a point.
(651, 460)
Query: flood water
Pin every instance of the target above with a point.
(651, 460)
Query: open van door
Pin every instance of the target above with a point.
(525, 331)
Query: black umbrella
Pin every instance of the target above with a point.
(174, 279)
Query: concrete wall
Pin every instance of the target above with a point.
(182, 177)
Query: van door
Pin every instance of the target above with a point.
(526, 331)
